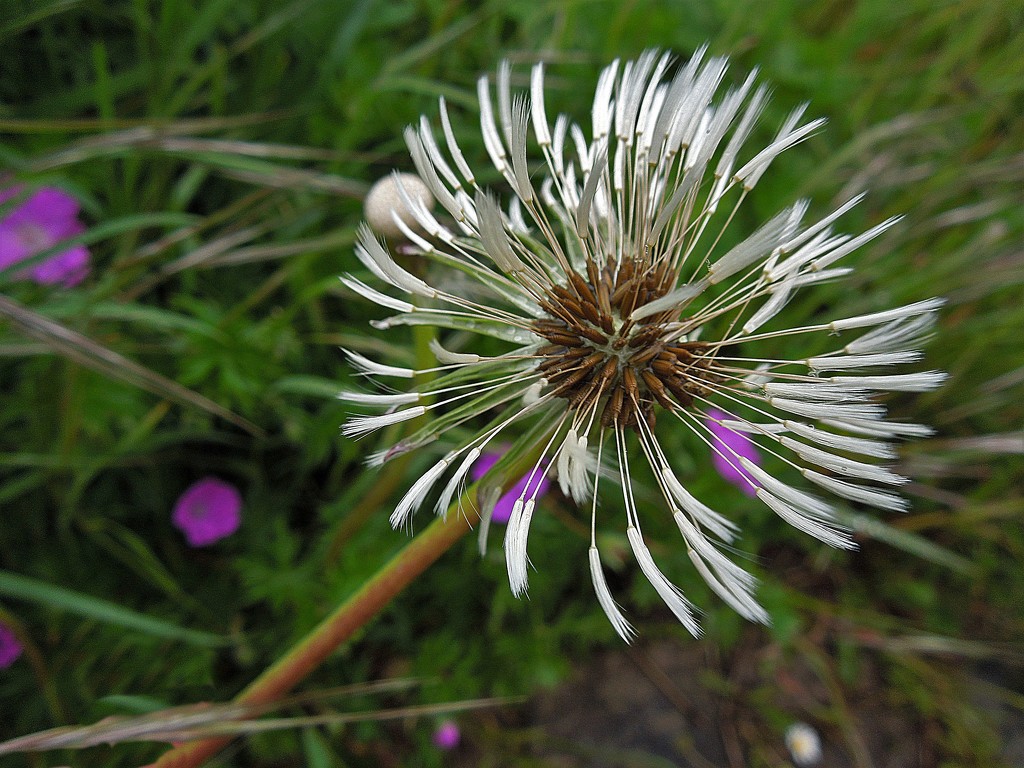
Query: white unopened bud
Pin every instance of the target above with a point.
(804, 745)
(385, 197)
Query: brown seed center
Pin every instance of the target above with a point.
(597, 357)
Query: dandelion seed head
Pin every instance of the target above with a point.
(617, 300)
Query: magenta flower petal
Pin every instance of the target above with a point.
(483, 465)
(45, 218)
(727, 446)
(447, 736)
(538, 486)
(10, 646)
(208, 511)
(69, 268)
(49, 207)
(12, 248)
(503, 509)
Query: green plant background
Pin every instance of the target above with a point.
(220, 150)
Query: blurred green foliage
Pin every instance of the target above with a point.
(244, 133)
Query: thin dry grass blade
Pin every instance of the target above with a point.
(112, 730)
(999, 443)
(191, 144)
(86, 352)
(941, 645)
(244, 727)
(281, 177)
(219, 153)
(215, 248)
(179, 127)
(250, 254)
(224, 251)
(229, 212)
(196, 721)
(906, 541)
(153, 138)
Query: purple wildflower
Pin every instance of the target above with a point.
(447, 736)
(208, 511)
(46, 217)
(10, 646)
(503, 509)
(727, 447)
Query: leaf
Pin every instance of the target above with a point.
(316, 751)
(86, 352)
(153, 317)
(40, 11)
(440, 40)
(130, 548)
(20, 587)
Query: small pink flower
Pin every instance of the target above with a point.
(447, 736)
(726, 448)
(10, 646)
(208, 511)
(503, 509)
(46, 217)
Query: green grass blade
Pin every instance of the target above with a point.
(19, 587)
(312, 386)
(11, 27)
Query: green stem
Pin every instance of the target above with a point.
(353, 614)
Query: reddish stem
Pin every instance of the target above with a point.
(354, 613)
